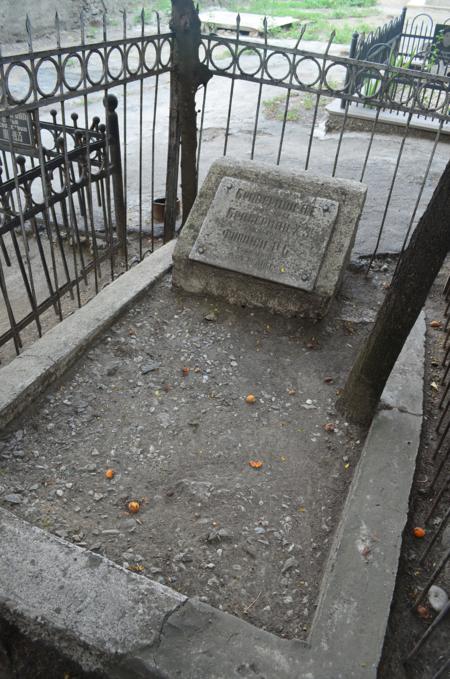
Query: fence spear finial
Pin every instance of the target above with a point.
(57, 30)
(124, 22)
(265, 29)
(158, 21)
(29, 33)
(142, 21)
(82, 31)
(302, 33)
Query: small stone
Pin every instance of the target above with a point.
(98, 497)
(437, 597)
(59, 492)
(18, 453)
(288, 564)
(112, 370)
(210, 317)
(150, 367)
(13, 499)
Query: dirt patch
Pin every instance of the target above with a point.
(406, 626)
(161, 399)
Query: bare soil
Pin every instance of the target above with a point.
(251, 541)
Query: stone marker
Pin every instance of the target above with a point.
(262, 236)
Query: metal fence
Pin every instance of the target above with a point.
(417, 44)
(90, 140)
(432, 566)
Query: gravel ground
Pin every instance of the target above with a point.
(161, 400)
(406, 626)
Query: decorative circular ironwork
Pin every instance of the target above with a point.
(302, 65)
(430, 96)
(93, 56)
(110, 65)
(130, 56)
(57, 184)
(249, 51)
(330, 80)
(18, 94)
(40, 86)
(288, 66)
(368, 82)
(202, 52)
(165, 47)
(67, 64)
(229, 56)
(150, 56)
(35, 192)
(398, 93)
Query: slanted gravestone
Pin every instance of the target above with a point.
(260, 236)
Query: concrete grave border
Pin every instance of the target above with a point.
(122, 624)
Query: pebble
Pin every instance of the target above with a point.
(18, 453)
(437, 597)
(150, 367)
(13, 499)
(288, 564)
(98, 497)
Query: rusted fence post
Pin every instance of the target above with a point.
(115, 158)
(352, 55)
(187, 76)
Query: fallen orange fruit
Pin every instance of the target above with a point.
(256, 464)
(419, 532)
(250, 398)
(134, 506)
(110, 473)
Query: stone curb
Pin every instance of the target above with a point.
(30, 373)
(109, 619)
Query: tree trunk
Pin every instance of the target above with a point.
(190, 74)
(404, 300)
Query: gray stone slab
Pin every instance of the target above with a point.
(322, 251)
(276, 235)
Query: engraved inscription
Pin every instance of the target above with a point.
(19, 126)
(274, 234)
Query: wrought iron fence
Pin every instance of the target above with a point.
(378, 45)
(78, 210)
(432, 565)
(73, 210)
(417, 44)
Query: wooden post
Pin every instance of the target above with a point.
(404, 300)
(188, 74)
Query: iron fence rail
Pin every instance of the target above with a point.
(109, 217)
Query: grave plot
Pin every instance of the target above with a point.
(238, 501)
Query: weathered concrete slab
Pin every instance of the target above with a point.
(251, 23)
(92, 610)
(275, 235)
(31, 372)
(271, 239)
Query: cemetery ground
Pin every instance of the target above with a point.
(238, 502)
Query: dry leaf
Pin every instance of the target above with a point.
(255, 464)
(250, 398)
(329, 426)
(436, 324)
